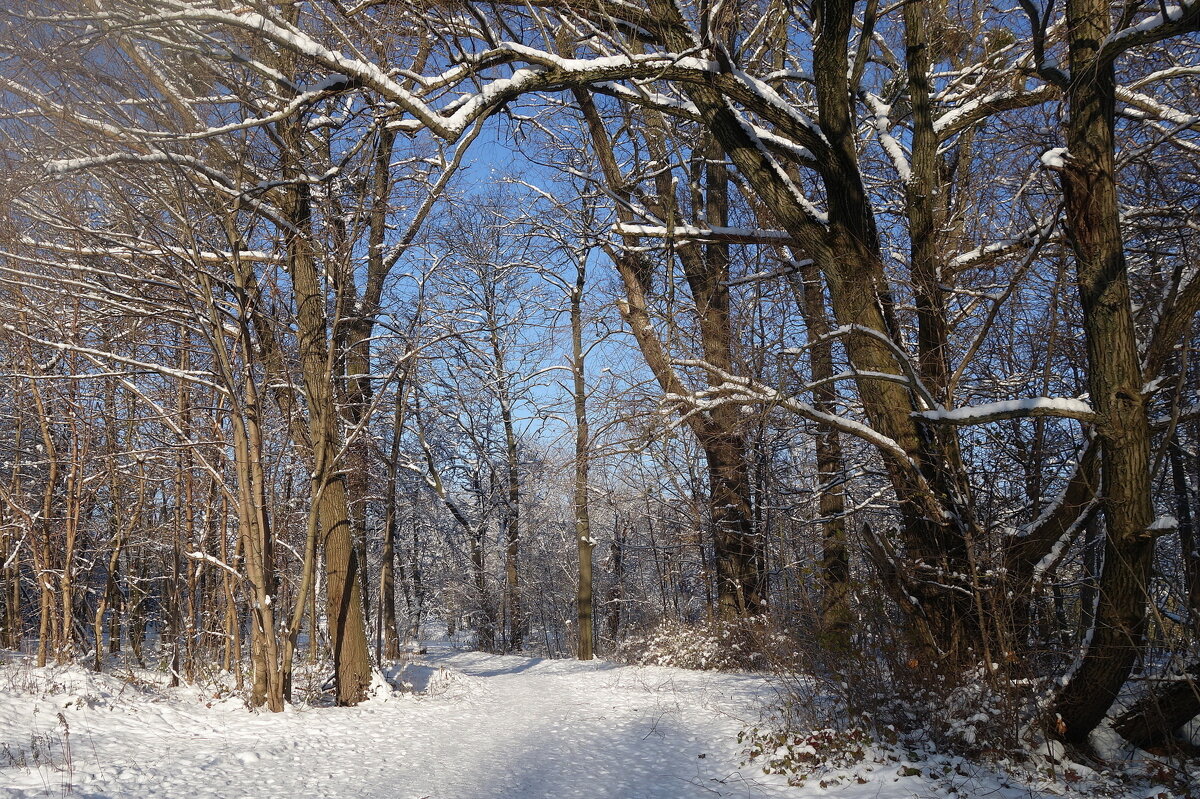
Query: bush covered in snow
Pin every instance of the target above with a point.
(703, 646)
(800, 756)
(855, 718)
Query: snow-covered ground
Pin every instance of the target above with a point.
(468, 726)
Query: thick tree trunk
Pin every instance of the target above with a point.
(1170, 704)
(344, 607)
(925, 199)
(846, 249)
(936, 519)
(352, 344)
(738, 559)
(1114, 378)
(741, 585)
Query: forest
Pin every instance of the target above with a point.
(839, 338)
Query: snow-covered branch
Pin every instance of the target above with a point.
(1056, 407)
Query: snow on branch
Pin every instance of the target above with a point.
(206, 558)
(153, 251)
(995, 249)
(178, 374)
(1149, 107)
(744, 391)
(881, 121)
(902, 359)
(789, 268)
(199, 169)
(640, 94)
(1058, 407)
(1172, 20)
(724, 235)
(963, 116)
(545, 71)
(1058, 550)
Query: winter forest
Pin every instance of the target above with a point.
(845, 342)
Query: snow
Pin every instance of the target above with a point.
(764, 91)
(710, 232)
(1172, 14)
(882, 123)
(451, 725)
(1030, 236)
(1064, 407)
(331, 82)
(470, 725)
(1055, 158)
(1059, 549)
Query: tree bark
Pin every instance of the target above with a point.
(583, 522)
(387, 644)
(847, 250)
(835, 615)
(511, 516)
(1154, 719)
(1114, 378)
(1187, 535)
(344, 607)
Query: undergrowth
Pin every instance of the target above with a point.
(746, 645)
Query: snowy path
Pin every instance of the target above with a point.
(490, 727)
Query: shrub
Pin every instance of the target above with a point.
(702, 646)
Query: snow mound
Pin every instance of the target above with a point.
(426, 679)
(70, 686)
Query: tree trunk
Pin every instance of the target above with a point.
(417, 612)
(616, 591)
(11, 626)
(344, 607)
(388, 642)
(847, 251)
(42, 544)
(835, 615)
(741, 585)
(1187, 535)
(485, 615)
(583, 522)
(511, 506)
(1114, 378)
(1170, 704)
(137, 575)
